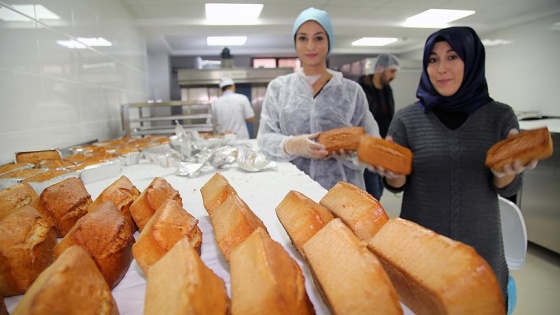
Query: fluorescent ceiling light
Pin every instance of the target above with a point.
(436, 17)
(84, 42)
(226, 40)
(374, 41)
(232, 13)
(495, 42)
(37, 11)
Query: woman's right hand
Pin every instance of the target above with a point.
(303, 145)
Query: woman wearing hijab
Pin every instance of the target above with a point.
(298, 106)
(449, 131)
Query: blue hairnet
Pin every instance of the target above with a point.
(319, 16)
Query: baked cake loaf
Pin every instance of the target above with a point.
(535, 144)
(356, 208)
(301, 217)
(104, 234)
(34, 157)
(180, 283)
(434, 274)
(26, 249)
(168, 225)
(71, 285)
(10, 167)
(151, 198)
(64, 203)
(215, 191)
(122, 193)
(344, 138)
(15, 197)
(348, 275)
(265, 279)
(387, 154)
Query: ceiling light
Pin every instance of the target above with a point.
(374, 41)
(83, 42)
(495, 42)
(232, 13)
(37, 11)
(436, 17)
(226, 40)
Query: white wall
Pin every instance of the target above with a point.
(55, 97)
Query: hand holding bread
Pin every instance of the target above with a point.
(303, 145)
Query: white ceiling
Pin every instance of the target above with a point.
(179, 28)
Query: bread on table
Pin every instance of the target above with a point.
(71, 285)
(215, 191)
(387, 154)
(122, 193)
(349, 276)
(64, 203)
(26, 249)
(15, 197)
(180, 283)
(233, 221)
(151, 198)
(434, 274)
(356, 208)
(34, 157)
(301, 217)
(265, 279)
(168, 225)
(343, 138)
(534, 144)
(105, 235)
(11, 167)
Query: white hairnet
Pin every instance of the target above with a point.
(386, 61)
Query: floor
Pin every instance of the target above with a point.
(538, 281)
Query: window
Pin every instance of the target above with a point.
(294, 63)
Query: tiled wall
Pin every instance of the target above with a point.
(52, 96)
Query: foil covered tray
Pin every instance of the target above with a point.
(103, 170)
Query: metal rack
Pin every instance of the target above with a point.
(139, 119)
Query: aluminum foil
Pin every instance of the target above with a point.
(253, 161)
(209, 160)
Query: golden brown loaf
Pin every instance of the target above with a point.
(344, 138)
(535, 144)
(34, 157)
(122, 193)
(26, 249)
(54, 164)
(301, 217)
(356, 208)
(350, 277)
(265, 279)
(104, 234)
(151, 198)
(64, 203)
(390, 155)
(215, 191)
(23, 174)
(434, 274)
(15, 197)
(180, 283)
(71, 285)
(46, 175)
(168, 225)
(232, 223)
(6, 168)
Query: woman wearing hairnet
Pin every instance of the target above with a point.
(298, 106)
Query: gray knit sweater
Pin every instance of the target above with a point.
(450, 191)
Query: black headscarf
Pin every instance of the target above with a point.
(473, 92)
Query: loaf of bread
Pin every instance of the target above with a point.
(356, 208)
(6, 168)
(344, 138)
(389, 155)
(15, 197)
(180, 283)
(233, 221)
(64, 203)
(348, 275)
(71, 285)
(54, 164)
(122, 193)
(23, 174)
(104, 234)
(215, 191)
(26, 249)
(34, 157)
(50, 174)
(301, 217)
(168, 225)
(535, 144)
(265, 279)
(151, 198)
(434, 274)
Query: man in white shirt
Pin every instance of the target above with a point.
(232, 111)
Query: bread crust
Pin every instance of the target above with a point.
(15, 197)
(122, 193)
(343, 138)
(387, 154)
(151, 198)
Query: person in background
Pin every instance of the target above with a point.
(382, 105)
(232, 111)
(298, 106)
(449, 131)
